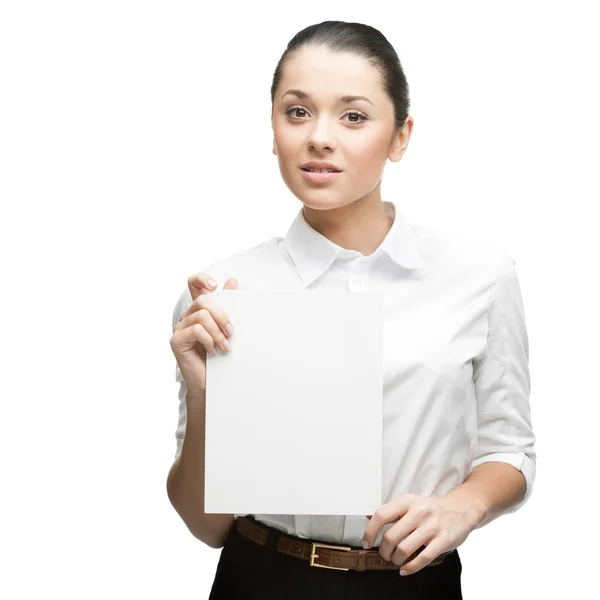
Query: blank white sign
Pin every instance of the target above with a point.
(294, 410)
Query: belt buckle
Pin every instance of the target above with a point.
(314, 555)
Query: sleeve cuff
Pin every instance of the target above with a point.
(179, 446)
(520, 461)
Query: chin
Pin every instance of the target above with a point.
(324, 202)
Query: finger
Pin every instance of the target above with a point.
(425, 557)
(204, 318)
(220, 317)
(409, 546)
(231, 284)
(395, 541)
(387, 513)
(196, 332)
(199, 283)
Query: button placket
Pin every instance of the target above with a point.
(357, 277)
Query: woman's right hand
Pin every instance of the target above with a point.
(201, 329)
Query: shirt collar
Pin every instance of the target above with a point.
(313, 253)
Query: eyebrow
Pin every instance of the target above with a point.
(347, 99)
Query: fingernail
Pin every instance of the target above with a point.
(366, 545)
(229, 329)
(212, 283)
(403, 572)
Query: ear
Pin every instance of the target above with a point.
(274, 147)
(400, 140)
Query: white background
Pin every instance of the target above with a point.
(135, 148)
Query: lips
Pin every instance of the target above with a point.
(320, 177)
(320, 165)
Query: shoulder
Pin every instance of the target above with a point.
(459, 252)
(244, 265)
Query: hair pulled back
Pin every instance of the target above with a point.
(364, 41)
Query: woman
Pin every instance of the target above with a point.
(458, 447)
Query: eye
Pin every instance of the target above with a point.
(358, 113)
(289, 112)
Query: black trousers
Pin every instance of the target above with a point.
(250, 571)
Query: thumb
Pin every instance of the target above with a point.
(231, 284)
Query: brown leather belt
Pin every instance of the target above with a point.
(328, 556)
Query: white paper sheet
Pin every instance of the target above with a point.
(294, 410)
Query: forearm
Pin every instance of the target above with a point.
(185, 483)
(487, 492)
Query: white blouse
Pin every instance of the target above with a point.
(456, 379)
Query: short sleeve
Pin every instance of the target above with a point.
(501, 381)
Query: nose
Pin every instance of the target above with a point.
(320, 137)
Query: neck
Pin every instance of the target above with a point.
(360, 226)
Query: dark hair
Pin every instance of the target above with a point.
(363, 40)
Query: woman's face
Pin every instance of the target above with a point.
(357, 136)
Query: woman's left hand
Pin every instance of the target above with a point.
(423, 521)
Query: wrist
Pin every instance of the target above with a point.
(195, 396)
(474, 509)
